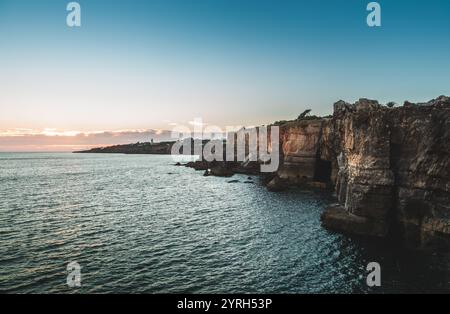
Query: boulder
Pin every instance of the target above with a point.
(277, 185)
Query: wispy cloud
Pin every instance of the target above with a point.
(22, 139)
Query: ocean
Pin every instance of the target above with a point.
(140, 224)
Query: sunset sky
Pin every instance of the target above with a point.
(135, 68)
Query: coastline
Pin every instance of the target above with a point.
(365, 154)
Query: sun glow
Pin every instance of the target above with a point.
(68, 133)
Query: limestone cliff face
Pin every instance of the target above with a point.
(389, 168)
(359, 141)
(299, 145)
(420, 159)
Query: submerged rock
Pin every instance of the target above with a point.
(336, 218)
(217, 170)
(198, 165)
(277, 185)
(221, 171)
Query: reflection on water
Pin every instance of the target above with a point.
(136, 223)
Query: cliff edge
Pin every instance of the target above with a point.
(390, 170)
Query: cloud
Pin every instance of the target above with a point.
(18, 140)
(197, 122)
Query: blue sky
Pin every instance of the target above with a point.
(150, 64)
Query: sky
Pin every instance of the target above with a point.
(135, 68)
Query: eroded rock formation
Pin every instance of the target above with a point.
(299, 141)
(391, 169)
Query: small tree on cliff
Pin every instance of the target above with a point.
(304, 114)
(391, 104)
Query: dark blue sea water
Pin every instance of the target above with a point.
(139, 224)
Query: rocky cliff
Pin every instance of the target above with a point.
(389, 168)
(299, 142)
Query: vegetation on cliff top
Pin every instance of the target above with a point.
(304, 116)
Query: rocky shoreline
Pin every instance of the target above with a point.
(389, 168)
(391, 171)
(161, 148)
